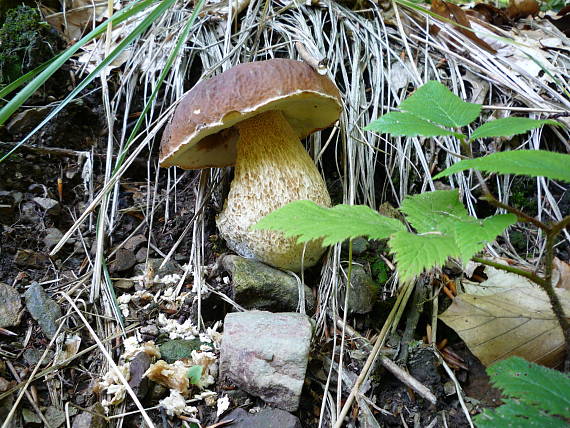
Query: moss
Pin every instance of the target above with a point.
(25, 42)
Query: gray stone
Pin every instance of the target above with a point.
(52, 238)
(30, 258)
(43, 309)
(56, 417)
(10, 306)
(266, 355)
(29, 213)
(363, 291)
(170, 268)
(30, 416)
(258, 286)
(124, 259)
(177, 349)
(359, 246)
(50, 206)
(32, 356)
(267, 418)
(91, 419)
(135, 242)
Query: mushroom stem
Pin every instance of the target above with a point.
(272, 169)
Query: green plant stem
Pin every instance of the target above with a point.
(521, 272)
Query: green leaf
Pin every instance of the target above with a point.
(406, 125)
(434, 102)
(195, 374)
(310, 221)
(472, 236)
(534, 395)
(509, 126)
(442, 212)
(417, 253)
(533, 163)
(434, 211)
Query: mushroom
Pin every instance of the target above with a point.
(252, 116)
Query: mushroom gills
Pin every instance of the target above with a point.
(272, 169)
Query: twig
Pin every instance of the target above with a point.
(392, 367)
(28, 395)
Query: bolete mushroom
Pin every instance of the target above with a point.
(252, 116)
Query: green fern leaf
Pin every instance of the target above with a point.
(416, 253)
(533, 163)
(537, 396)
(434, 102)
(509, 126)
(310, 221)
(404, 124)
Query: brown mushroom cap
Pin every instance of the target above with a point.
(200, 134)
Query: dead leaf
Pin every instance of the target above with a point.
(518, 9)
(507, 315)
(454, 13)
(561, 274)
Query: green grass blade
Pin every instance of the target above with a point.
(532, 163)
(11, 87)
(146, 22)
(171, 57)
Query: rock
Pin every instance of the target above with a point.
(30, 258)
(359, 246)
(91, 419)
(50, 206)
(258, 286)
(170, 268)
(135, 242)
(5, 406)
(29, 213)
(56, 416)
(30, 416)
(363, 291)
(141, 255)
(178, 349)
(150, 330)
(10, 306)
(138, 367)
(52, 238)
(124, 259)
(267, 418)
(32, 356)
(266, 355)
(43, 309)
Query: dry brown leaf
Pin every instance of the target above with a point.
(561, 274)
(455, 13)
(507, 315)
(522, 8)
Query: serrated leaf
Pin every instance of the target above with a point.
(509, 126)
(472, 236)
(533, 384)
(516, 414)
(310, 221)
(404, 124)
(434, 102)
(434, 211)
(532, 163)
(416, 253)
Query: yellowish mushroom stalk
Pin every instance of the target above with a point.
(272, 169)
